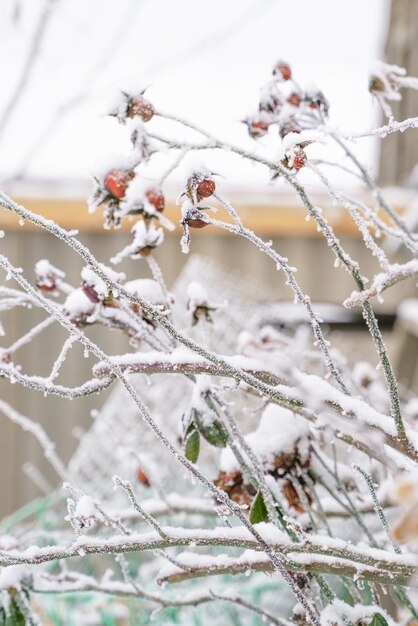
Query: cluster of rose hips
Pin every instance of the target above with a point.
(92, 298)
(285, 105)
(199, 186)
(111, 193)
(112, 190)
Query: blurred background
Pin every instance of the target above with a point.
(62, 63)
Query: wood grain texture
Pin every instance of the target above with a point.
(399, 151)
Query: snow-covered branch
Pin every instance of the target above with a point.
(317, 553)
(260, 422)
(185, 362)
(395, 274)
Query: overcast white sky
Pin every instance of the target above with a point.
(203, 60)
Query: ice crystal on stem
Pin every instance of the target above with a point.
(244, 446)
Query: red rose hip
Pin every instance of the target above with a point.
(142, 108)
(196, 222)
(283, 71)
(116, 182)
(295, 99)
(142, 478)
(205, 188)
(156, 198)
(299, 160)
(257, 128)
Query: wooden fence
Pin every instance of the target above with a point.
(275, 218)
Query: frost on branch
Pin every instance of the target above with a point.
(244, 447)
(396, 273)
(149, 290)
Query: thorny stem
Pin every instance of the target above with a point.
(8, 204)
(67, 345)
(303, 299)
(218, 493)
(70, 239)
(377, 506)
(38, 432)
(71, 583)
(358, 220)
(379, 224)
(126, 485)
(157, 364)
(333, 242)
(382, 282)
(395, 572)
(373, 187)
(330, 565)
(27, 337)
(267, 617)
(296, 556)
(374, 330)
(40, 384)
(387, 129)
(367, 313)
(272, 506)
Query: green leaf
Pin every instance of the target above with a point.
(259, 513)
(192, 444)
(15, 617)
(213, 432)
(378, 620)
